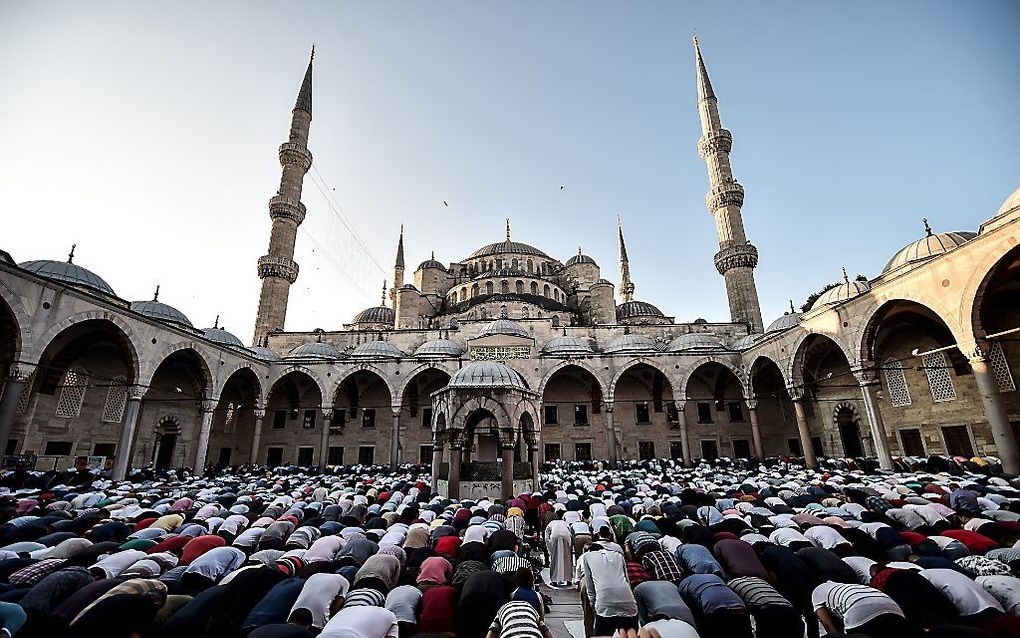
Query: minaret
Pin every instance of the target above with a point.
(277, 268)
(626, 285)
(737, 257)
(398, 267)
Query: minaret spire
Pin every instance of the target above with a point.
(626, 285)
(382, 302)
(277, 267)
(155, 296)
(398, 267)
(508, 229)
(737, 257)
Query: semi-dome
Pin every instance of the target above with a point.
(1011, 204)
(931, 245)
(695, 341)
(746, 341)
(376, 314)
(439, 348)
(314, 350)
(504, 327)
(630, 309)
(68, 273)
(219, 335)
(567, 346)
(846, 290)
(630, 343)
(377, 350)
(265, 353)
(507, 246)
(161, 312)
(787, 321)
(580, 258)
(487, 374)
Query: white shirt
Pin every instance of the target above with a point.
(854, 604)
(604, 574)
(1005, 589)
(968, 597)
(825, 537)
(861, 566)
(362, 622)
(786, 536)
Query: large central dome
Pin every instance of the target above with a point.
(508, 246)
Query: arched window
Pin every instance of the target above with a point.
(545, 290)
(514, 263)
(488, 287)
(72, 394)
(116, 401)
(937, 367)
(26, 393)
(504, 287)
(474, 290)
(520, 287)
(230, 420)
(534, 287)
(896, 383)
(463, 294)
(543, 268)
(531, 266)
(499, 263)
(556, 295)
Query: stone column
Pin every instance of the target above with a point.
(16, 378)
(327, 422)
(122, 461)
(507, 471)
(437, 460)
(685, 446)
(395, 439)
(805, 433)
(202, 447)
(608, 407)
(535, 481)
(875, 424)
(453, 479)
(1002, 433)
(260, 414)
(752, 411)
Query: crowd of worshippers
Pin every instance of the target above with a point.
(722, 549)
(777, 551)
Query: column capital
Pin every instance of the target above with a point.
(20, 371)
(608, 406)
(208, 405)
(752, 404)
(136, 392)
(796, 393)
(396, 410)
(327, 412)
(260, 412)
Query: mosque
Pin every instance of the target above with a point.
(488, 364)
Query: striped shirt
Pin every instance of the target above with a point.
(757, 594)
(364, 597)
(854, 604)
(510, 564)
(517, 619)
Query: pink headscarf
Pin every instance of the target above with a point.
(435, 569)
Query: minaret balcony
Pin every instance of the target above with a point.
(740, 256)
(720, 141)
(728, 194)
(282, 207)
(292, 154)
(276, 266)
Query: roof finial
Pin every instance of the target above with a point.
(508, 229)
(70, 255)
(846, 277)
(579, 250)
(433, 255)
(383, 293)
(216, 324)
(312, 56)
(927, 228)
(155, 296)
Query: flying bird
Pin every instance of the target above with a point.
(444, 203)
(561, 186)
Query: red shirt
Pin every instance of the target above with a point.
(976, 543)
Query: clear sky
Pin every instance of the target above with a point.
(147, 133)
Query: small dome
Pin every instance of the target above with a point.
(695, 341)
(377, 350)
(265, 353)
(487, 374)
(439, 348)
(314, 350)
(580, 258)
(1011, 204)
(846, 290)
(746, 342)
(377, 314)
(219, 335)
(630, 344)
(431, 263)
(161, 312)
(504, 327)
(629, 309)
(502, 247)
(567, 345)
(787, 321)
(925, 248)
(68, 273)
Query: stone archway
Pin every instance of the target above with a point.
(846, 422)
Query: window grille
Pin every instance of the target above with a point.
(1000, 367)
(72, 393)
(26, 393)
(116, 401)
(936, 367)
(896, 383)
(230, 420)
